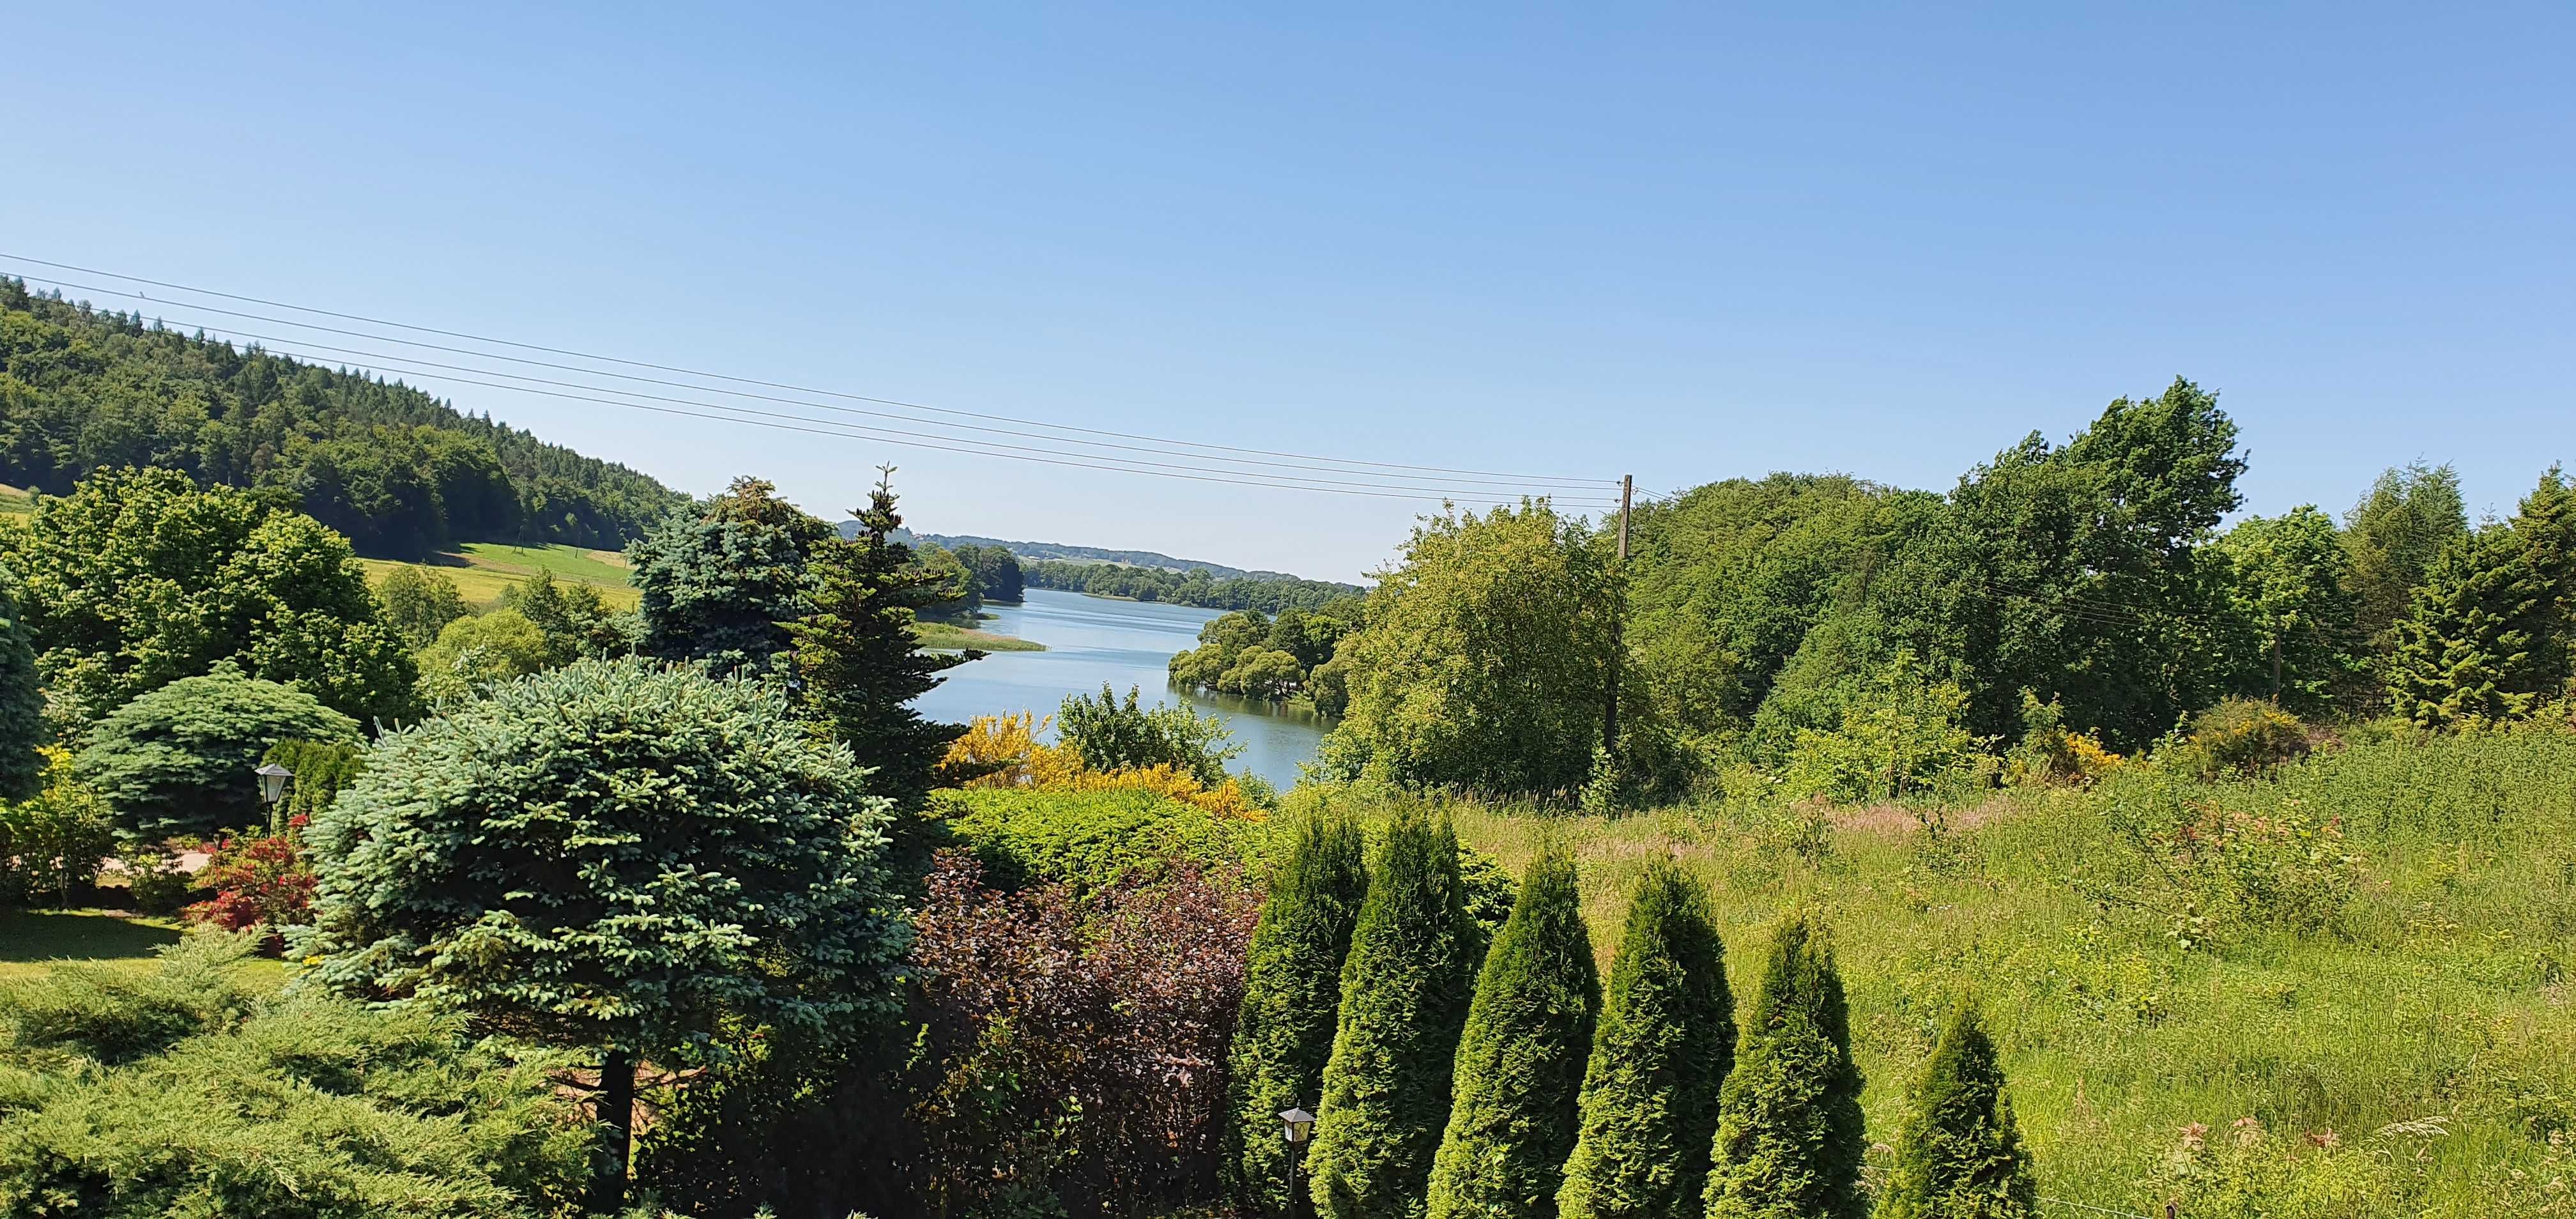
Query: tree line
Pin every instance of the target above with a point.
(1194, 587)
(1826, 625)
(392, 468)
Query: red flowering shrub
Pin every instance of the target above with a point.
(259, 881)
(1077, 1046)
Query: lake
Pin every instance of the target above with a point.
(1091, 640)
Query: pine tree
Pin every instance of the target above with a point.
(1512, 1114)
(1405, 989)
(1665, 1046)
(1789, 1131)
(856, 664)
(1292, 985)
(1961, 1155)
(2493, 628)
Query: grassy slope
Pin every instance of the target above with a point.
(2441, 992)
(484, 571)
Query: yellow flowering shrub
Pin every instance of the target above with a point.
(1003, 751)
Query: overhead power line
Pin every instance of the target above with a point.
(456, 334)
(783, 421)
(1464, 486)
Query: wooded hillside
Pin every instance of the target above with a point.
(399, 471)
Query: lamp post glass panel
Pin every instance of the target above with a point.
(1299, 1123)
(272, 788)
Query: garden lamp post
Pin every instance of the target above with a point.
(1299, 1124)
(272, 788)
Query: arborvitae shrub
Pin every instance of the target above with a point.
(1961, 1155)
(1520, 1062)
(1789, 1134)
(1666, 1044)
(1405, 988)
(1292, 988)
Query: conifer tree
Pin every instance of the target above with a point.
(720, 581)
(1292, 987)
(1512, 1114)
(856, 664)
(22, 700)
(1666, 1044)
(2493, 629)
(1789, 1128)
(1405, 988)
(1960, 1156)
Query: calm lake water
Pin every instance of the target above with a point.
(1091, 640)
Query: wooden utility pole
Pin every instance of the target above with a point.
(1618, 611)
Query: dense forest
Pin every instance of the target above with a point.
(1197, 587)
(401, 473)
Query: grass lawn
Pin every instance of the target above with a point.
(31, 942)
(484, 571)
(606, 568)
(16, 501)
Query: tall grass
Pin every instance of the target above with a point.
(2365, 954)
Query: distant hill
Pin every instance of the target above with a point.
(1060, 552)
(401, 472)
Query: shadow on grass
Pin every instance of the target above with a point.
(27, 937)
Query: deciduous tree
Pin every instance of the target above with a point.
(138, 578)
(1484, 658)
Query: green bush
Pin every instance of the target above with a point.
(172, 1092)
(2241, 736)
(1089, 839)
(53, 842)
(1789, 1127)
(112, 1014)
(418, 603)
(178, 760)
(1292, 987)
(1110, 736)
(1512, 1115)
(1665, 1045)
(1960, 1156)
(471, 653)
(1405, 988)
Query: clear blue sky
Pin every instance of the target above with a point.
(1606, 239)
